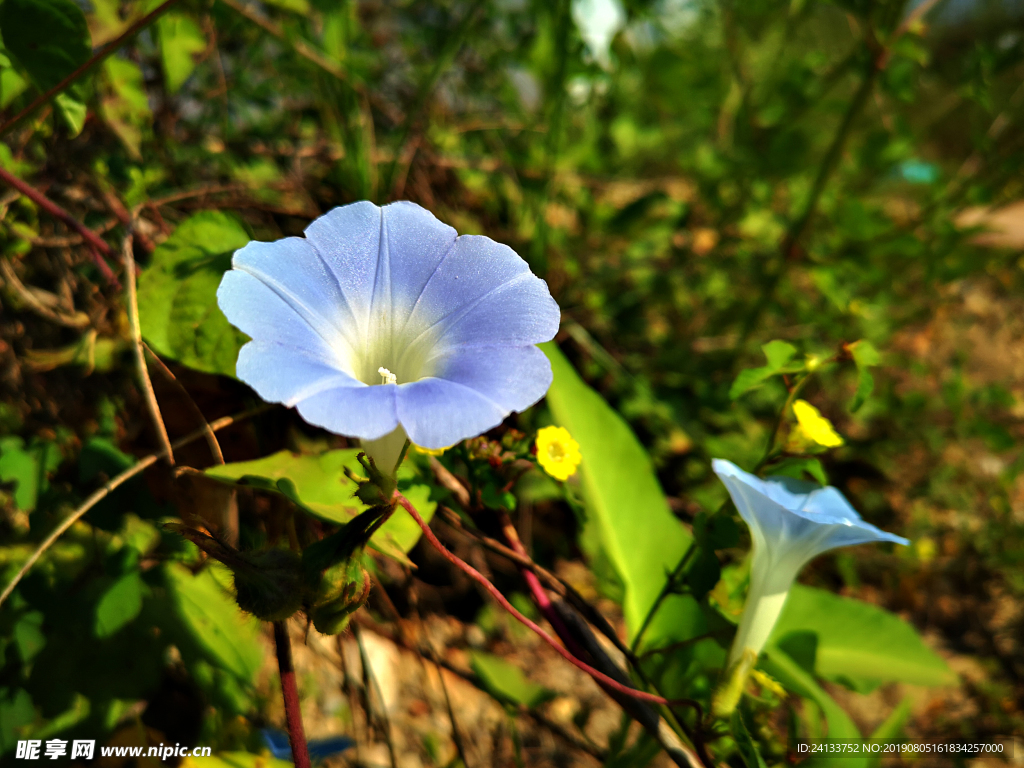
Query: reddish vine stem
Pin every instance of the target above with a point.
(494, 592)
(97, 245)
(290, 692)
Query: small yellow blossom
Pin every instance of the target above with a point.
(429, 451)
(814, 426)
(557, 452)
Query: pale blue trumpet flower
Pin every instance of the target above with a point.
(791, 522)
(383, 324)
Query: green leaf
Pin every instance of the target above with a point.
(506, 681)
(636, 528)
(12, 85)
(892, 728)
(865, 356)
(859, 644)
(746, 745)
(29, 636)
(778, 353)
(318, 484)
(235, 760)
(300, 7)
(49, 39)
(125, 106)
(796, 467)
(119, 605)
(229, 638)
(28, 468)
(16, 711)
(178, 308)
(794, 678)
(180, 40)
(72, 110)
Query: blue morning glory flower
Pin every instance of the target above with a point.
(383, 323)
(791, 522)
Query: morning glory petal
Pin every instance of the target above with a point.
(417, 243)
(256, 310)
(519, 312)
(437, 413)
(283, 374)
(368, 412)
(292, 269)
(475, 269)
(347, 239)
(384, 318)
(791, 522)
(513, 377)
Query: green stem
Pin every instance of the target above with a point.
(666, 590)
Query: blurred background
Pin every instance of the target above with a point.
(692, 178)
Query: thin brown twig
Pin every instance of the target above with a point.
(95, 59)
(145, 382)
(211, 438)
(33, 300)
(494, 592)
(97, 245)
(111, 485)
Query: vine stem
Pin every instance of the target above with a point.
(666, 590)
(93, 60)
(97, 245)
(290, 692)
(644, 715)
(132, 300)
(494, 592)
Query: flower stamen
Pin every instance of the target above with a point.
(387, 377)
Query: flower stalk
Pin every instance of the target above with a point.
(791, 522)
(290, 693)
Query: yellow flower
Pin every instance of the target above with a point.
(557, 452)
(429, 451)
(814, 426)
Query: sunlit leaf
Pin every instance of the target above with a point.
(797, 680)
(506, 681)
(119, 604)
(215, 621)
(181, 40)
(235, 760)
(747, 747)
(859, 644)
(49, 39)
(28, 468)
(865, 356)
(778, 354)
(318, 483)
(642, 538)
(178, 308)
(125, 106)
